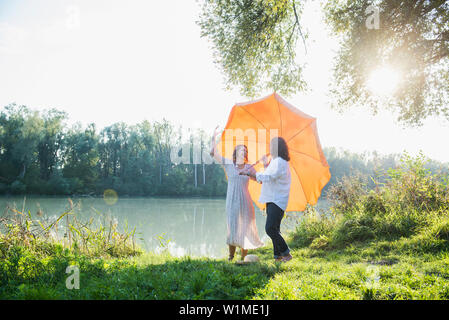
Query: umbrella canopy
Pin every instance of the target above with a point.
(255, 123)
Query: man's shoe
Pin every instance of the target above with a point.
(286, 258)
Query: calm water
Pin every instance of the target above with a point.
(194, 226)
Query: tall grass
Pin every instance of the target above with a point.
(19, 228)
(412, 203)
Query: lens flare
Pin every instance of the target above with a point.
(110, 196)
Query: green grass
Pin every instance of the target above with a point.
(398, 269)
(367, 271)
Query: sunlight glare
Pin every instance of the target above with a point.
(383, 81)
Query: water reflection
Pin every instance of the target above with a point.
(190, 226)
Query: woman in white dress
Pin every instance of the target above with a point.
(241, 219)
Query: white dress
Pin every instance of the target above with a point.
(242, 229)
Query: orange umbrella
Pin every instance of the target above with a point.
(255, 123)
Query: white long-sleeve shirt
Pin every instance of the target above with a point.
(276, 181)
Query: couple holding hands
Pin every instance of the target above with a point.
(275, 179)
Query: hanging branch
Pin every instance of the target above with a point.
(299, 26)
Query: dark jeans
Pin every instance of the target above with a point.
(273, 229)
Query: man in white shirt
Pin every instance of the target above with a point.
(275, 192)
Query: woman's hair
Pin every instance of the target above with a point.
(282, 148)
(234, 154)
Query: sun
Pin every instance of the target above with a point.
(383, 81)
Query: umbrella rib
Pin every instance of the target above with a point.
(280, 118)
(308, 155)
(301, 130)
(255, 118)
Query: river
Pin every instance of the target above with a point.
(184, 226)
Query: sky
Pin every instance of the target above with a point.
(106, 61)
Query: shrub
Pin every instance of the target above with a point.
(320, 243)
(351, 230)
(344, 196)
(311, 227)
(412, 201)
(411, 185)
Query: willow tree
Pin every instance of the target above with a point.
(410, 37)
(254, 43)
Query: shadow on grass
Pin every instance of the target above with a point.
(147, 277)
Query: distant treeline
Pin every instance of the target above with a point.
(40, 154)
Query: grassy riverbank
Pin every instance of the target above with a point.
(375, 270)
(387, 243)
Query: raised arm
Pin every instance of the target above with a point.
(214, 151)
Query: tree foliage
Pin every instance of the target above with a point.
(413, 37)
(130, 159)
(254, 43)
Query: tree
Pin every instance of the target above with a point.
(51, 140)
(81, 157)
(20, 133)
(254, 43)
(111, 142)
(412, 37)
(163, 133)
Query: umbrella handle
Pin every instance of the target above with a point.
(258, 161)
